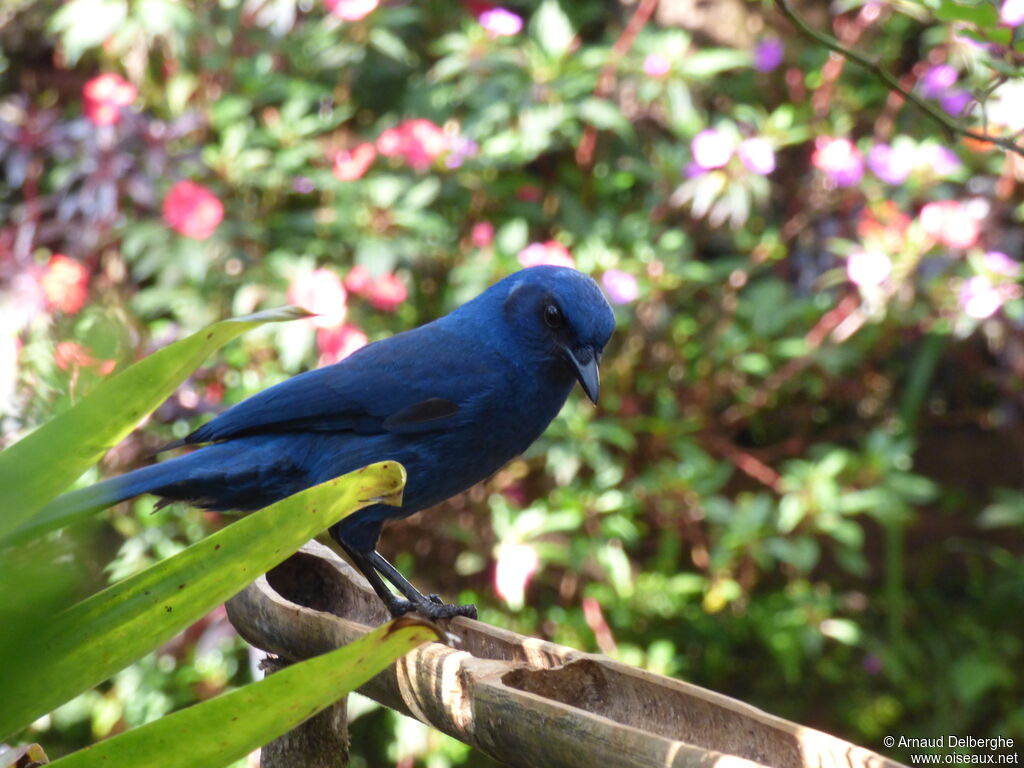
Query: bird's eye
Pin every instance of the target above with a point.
(552, 316)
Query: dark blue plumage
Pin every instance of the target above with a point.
(452, 400)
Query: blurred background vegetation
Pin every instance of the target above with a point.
(802, 486)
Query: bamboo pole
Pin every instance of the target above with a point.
(523, 701)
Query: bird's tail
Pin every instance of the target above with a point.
(80, 503)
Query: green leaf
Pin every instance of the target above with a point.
(604, 115)
(551, 28)
(981, 13)
(43, 464)
(218, 731)
(90, 641)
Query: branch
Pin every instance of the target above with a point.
(524, 701)
(951, 126)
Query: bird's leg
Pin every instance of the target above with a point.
(430, 606)
(373, 565)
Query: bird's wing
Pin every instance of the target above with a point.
(417, 381)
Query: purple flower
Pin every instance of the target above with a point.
(500, 22)
(890, 165)
(620, 286)
(955, 100)
(303, 185)
(979, 298)
(459, 148)
(868, 268)
(711, 148)
(1012, 13)
(937, 81)
(757, 154)
(838, 159)
(940, 160)
(768, 54)
(656, 65)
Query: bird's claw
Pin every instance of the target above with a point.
(432, 607)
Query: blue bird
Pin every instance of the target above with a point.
(453, 401)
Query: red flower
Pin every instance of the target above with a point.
(351, 165)
(351, 10)
(192, 210)
(65, 284)
(105, 95)
(419, 142)
(338, 343)
(387, 292)
(320, 291)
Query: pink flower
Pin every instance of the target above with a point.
(768, 54)
(892, 166)
(339, 342)
(758, 155)
(320, 291)
(105, 95)
(1012, 13)
(515, 567)
(387, 292)
(839, 160)
(940, 160)
(551, 252)
(65, 284)
(937, 81)
(1001, 264)
(868, 268)
(352, 164)
(419, 142)
(979, 298)
(500, 22)
(951, 223)
(656, 65)
(351, 10)
(620, 286)
(192, 210)
(483, 234)
(711, 148)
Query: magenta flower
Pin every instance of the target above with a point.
(1001, 264)
(839, 160)
(940, 160)
(955, 100)
(937, 80)
(620, 286)
(868, 268)
(890, 165)
(351, 10)
(979, 298)
(656, 65)
(551, 252)
(758, 155)
(1012, 13)
(500, 22)
(768, 54)
(711, 148)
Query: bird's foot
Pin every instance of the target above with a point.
(432, 607)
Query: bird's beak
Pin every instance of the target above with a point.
(584, 362)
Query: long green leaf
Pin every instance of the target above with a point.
(42, 465)
(91, 640)
(215, 732)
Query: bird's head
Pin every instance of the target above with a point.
(561, 316)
